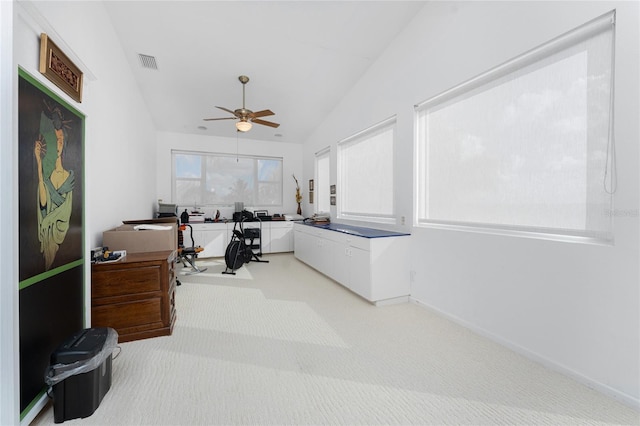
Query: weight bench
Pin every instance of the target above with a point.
(189, 254)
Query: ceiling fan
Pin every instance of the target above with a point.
(246, 116)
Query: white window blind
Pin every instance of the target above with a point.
(322, 182)
(365, 174)
(221, 179)
(527, 146)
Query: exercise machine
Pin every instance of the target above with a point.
(238, 251)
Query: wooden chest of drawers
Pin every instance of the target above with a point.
(135, 296)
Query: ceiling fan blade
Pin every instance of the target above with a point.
(224, 118)
(225, 109)
(265, 123)
(262, 113)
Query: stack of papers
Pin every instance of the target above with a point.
(147, 227)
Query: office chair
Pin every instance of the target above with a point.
(188, 254)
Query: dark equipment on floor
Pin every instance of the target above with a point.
(238, 251)
(80, 372)
(188, 254)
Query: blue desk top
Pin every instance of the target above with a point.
(356, 230)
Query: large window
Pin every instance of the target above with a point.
(322, 181)
(220, 179)
(365, 174)
(526, 146)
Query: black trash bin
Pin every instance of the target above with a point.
(80, 372)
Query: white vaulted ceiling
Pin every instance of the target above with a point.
(301, 58)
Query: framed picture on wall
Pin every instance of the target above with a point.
(332, 200)
(332, 189)
(310, 197)
(310, 184)
(55, 65)
(50, 179)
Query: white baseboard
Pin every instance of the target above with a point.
(392, 301)
(552, 365)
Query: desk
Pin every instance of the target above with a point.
(135, 296)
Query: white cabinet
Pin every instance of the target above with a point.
(325, 251)
(276, 237)
(375, 268)
(350, 262)
(302, 243)
(313, 249)
(280, 237)
(213, 237)
(336, 262)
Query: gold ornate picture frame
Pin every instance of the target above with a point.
(59, 69)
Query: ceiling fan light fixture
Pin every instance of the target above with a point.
(243, 126)
(245, 116)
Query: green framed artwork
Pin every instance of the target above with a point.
(51, 228)
(51, 145)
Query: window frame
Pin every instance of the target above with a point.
(203, 155)
(534, 56)
(321, 187)
(362, 137)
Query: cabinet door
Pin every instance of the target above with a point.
(281, 238)
(213, 237)
(324, 255)
(303, 245)
(215, 243)
(341, 264)
(338, 267)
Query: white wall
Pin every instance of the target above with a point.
(575, 307)
(119, 133)
(291, 162)
(119, 136)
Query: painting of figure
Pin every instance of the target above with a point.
(51, 135)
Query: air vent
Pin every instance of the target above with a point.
(148, 61)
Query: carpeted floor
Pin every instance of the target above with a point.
(280, 343)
